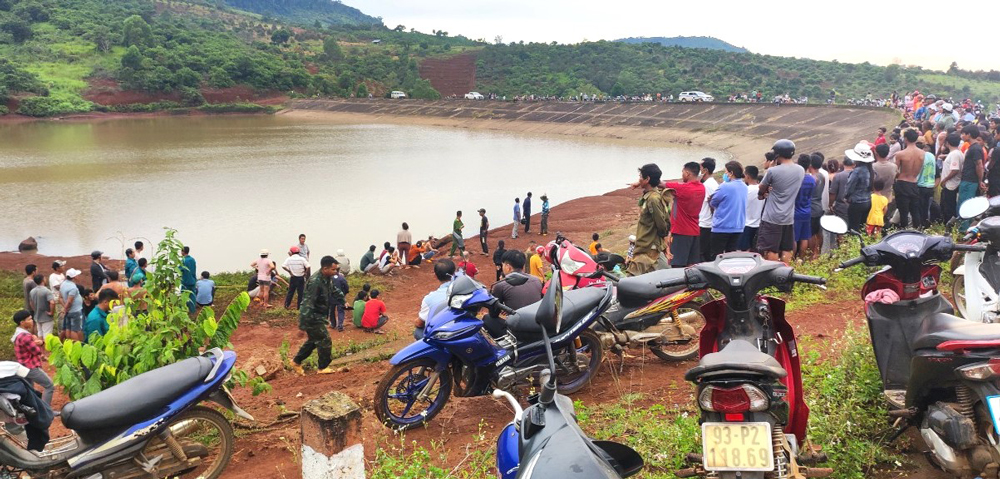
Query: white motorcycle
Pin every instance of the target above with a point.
(976, 285)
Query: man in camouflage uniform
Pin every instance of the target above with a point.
(654, 224)
(320, 295)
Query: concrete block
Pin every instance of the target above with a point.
(331, 438)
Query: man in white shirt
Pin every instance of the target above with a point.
(755, 206)
(444, 271)
(951, 177)
(705, 217)
(58, 275)
(298, 269)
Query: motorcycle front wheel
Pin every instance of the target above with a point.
(206, 438)
(958, 294)
(689, 325)
(587, 355)
(397, 399)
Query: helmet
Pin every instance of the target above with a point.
(784, 148)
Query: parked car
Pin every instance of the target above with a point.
(698, 96)
(397, 95)
(474, 95)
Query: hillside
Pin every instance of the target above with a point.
(710, 43)
(307, 12)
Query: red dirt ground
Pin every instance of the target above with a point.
(465, 423)
(455, 75)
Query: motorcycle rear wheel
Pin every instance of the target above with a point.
(592, 353)
(672, 351)
(401, 386)
(201, 432)
(958, 294)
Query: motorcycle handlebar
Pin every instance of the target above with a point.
(670, 283)
(504, 308)
(970, 247)
(851, 262)
(802, 278)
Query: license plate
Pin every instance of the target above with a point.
(737, 446)
(994, 405)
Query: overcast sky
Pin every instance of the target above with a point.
(845, 30)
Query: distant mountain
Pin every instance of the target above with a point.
(307, 12)
(710, 43)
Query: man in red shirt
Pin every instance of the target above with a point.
(374, 317)
(688, 198)
(468, 267)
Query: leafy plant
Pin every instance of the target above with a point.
(146, 333)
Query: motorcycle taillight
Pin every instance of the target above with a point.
(740, 399)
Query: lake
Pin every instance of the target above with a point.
(232, 185)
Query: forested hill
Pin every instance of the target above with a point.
(308, 12)
(710, 43)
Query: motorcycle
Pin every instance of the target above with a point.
(545, 441)
(976, 287)
(753, 413)
(939, 371)
(458, 351)
(667, 321)
(148, 426)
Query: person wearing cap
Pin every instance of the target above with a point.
(72, 306)
(859, 185)
(344, 262)
(98, 275)
(535, 266)
(57, 276)
(314, 314)
(630, 254)
(189, 276)
(484, 228)
(947, 119)
(298, 269)
(545, 215)
(264, 267)
(780, 186)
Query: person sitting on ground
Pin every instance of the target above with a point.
(444, 271)
(414, 255)
(28, 352)
(876, 217)
(467, 267)
(358, 310)
(535, 266)
(592, 248)
(97, 320)
(205, 288)
(387, 263)
(344, 262)
(368, 264)
(374, 316)
(498, 258)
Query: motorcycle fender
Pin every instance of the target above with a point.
(224, 398)
(419, 349)
(508, 452)
(959, 270)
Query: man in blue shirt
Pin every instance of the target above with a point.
(517, 218)
(730, 204)
(97, 320)
(444, 270)
(189, 279)
(72, 306)
(206, 290)
(545, 214)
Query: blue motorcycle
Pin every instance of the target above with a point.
(545, 441)
(150, 426)
(458, 352)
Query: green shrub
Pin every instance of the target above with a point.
(43, 106)
(236, 108)
(4, 110)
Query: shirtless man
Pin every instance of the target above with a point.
(910, 162)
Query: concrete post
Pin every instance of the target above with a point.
(331, 438)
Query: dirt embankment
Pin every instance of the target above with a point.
(744, 130)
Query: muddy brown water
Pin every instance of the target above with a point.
(232, 185)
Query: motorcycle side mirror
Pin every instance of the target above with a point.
(516, 279)
(973, 207)
(833, 224)
(609, 260)
(549, 315)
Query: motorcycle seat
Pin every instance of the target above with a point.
(639, 290)
(942, 328)
(137, 399)
(738, 357)
(576, 304)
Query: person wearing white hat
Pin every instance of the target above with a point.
(859, 185)
(631, 249)
(344, 262)
(264, 266)
(72, 305)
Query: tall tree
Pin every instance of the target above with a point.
(137, 32)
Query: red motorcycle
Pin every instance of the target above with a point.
(749, 380)
(666, 321)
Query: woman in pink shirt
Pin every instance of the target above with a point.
(264, 267)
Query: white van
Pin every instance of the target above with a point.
(397, 95)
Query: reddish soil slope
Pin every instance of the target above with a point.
(451, 76)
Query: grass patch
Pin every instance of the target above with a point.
(980, 89)
(410, 461)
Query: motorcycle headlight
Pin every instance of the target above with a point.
(458, 300)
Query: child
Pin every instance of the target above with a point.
(374, 316)
(593, 246)
(205, 288)
(28, 351)
(631, 249)
(359, 307)
(876, 216)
